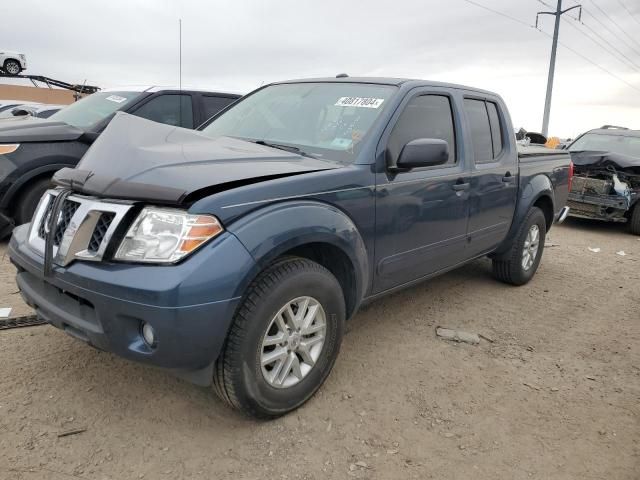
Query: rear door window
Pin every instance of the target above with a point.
(169, 109)
(480, 130)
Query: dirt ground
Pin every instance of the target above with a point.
(555, 396)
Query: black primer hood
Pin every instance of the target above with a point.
(598, 159)
(138, 159)
(37, 130)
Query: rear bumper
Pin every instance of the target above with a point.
(190, 305)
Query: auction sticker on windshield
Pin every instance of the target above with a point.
(116, 98)
(361, 102)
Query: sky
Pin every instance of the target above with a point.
(238, 45)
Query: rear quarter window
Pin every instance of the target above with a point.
(212, 105)
(496, 129)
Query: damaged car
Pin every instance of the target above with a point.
(235, 254)
(606, 185)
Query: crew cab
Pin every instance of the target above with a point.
(32, 150)
(234, 255)
(607, 182)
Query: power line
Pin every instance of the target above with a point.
(613, 50)
(606, 27)
(631, 14)
(586, 59)
(567, 47)
(497, 12)
(614, 22)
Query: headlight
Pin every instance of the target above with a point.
(8, 148)
(163, 235)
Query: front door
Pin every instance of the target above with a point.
(421, 214)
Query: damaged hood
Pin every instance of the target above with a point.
(37, 130)
(138, 159)
(599, 159)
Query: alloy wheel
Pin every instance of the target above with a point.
(293, 342)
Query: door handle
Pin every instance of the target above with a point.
(508, 178)
(459, 187)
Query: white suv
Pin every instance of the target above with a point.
(13, 63)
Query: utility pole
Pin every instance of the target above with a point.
(552, 64)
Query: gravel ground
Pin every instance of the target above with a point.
(555, 396)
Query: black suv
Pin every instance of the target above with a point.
(606, 185)
(32, 151)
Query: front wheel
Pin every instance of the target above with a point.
(284, 339)
(519, 264)
(28, 200)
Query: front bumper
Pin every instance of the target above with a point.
(610, 208)
(189, 305)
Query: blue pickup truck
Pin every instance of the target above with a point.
(234, 255)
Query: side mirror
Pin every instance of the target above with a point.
(423, 152)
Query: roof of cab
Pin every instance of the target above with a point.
(160, 88)
(411, 82)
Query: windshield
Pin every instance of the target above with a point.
(94, 108)
(602, 142)
(321, 119)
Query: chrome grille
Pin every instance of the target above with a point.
(84, 227)
(100, 231)
(45, 217)
(66, 214)
(69, 208)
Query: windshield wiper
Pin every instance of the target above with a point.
(287, 148)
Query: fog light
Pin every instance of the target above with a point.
(149, 334)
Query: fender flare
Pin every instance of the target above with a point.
(269, 232)
(25, 178)
(538, 187)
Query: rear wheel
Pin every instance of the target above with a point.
(634, 220)
(284, 339)
(519, 264)
(28, 200)
(12, 67)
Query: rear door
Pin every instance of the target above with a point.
(421, 214)
(494, 181)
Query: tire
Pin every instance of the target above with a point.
(509, 267)
(28, 199)
(634, 220)
(12, 67)
(242, 378)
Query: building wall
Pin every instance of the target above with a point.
(34, 94)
